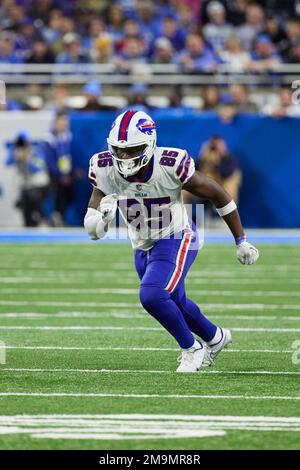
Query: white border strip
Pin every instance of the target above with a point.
(137, 328)
(102, 348)
(140, 395)
(139, 371)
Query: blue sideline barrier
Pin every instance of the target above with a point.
(268, 150)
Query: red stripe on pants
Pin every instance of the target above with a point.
(179, 268)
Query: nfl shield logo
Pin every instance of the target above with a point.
(139, 187)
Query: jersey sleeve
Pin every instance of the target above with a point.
(185, 168)
(92, 171)
(100, 170)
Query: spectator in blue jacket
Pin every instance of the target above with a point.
(73, 53)
(264, 56)
(171, 31)
(7, 52)
(197, 56)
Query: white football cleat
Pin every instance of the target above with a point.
(191, 359)
(212, 351)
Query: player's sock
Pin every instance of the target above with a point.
(196, 344)
(197, 322)
(217, 338)
(158, 303)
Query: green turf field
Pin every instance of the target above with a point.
(87, 368)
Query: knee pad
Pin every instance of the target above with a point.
(151, 297)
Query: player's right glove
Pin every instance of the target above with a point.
(96, 221)
(247, 253)
(108, 207)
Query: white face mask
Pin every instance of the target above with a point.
(126, 164)
(129, 167)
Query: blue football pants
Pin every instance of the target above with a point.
(162, 271)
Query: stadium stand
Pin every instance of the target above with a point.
(173, 58)
(120, 43)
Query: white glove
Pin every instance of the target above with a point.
(91, 220)
(108, 207)
(247, 253)
(96, 221)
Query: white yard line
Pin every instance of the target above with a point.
(102, 348)
(207, 268)
(137, 328)
(65, 279)
(255, 317)
(107, 315)
(64, 265)
(147, 421)
(138, 417)
(138, 426)
(142, 316)
(124, 291)
(91, 275)
(140, 371)
(85, 328)
(270, 330)
(46, 303)
(242, 280)
(140, 395)
(213, 306)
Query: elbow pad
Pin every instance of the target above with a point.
(94, 224)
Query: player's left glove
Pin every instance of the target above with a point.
(247, 253)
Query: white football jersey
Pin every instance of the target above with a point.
(152, 207)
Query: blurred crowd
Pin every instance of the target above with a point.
(226, 101)
(197, 35)
(45, 174)
(194, 35)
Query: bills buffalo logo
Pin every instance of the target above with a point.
(146, 126)
(113, 124)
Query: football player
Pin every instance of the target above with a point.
(145, 182)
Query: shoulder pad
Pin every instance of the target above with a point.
(104, 154)
(185, 168)
(178, 162)
(98, 163)
(171, 152)
(104, 159)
